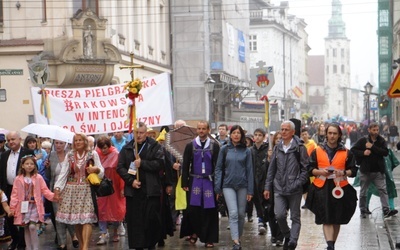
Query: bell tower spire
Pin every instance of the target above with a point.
(337, 27)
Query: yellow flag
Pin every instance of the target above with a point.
(266, 105)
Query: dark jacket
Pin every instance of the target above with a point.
(237, 170)
(375, 161)
(286, 174)
(260, 164)
(151, 165)
(3, 167)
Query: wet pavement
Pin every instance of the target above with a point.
(371, 233)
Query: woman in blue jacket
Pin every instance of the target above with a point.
(234, 178)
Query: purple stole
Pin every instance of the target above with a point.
(202, 186)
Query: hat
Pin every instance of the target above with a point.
(152, 133)
(161, 137)
(2, 137)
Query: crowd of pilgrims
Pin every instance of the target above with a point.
(223, 174)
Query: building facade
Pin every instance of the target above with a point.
(84, 43)
(279, 39)
(209, 42)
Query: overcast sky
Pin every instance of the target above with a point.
(360, 17)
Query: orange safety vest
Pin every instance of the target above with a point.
(338, 162)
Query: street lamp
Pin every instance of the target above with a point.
(209, 84)
(368, 88)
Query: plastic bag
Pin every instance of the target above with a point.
(180, 196)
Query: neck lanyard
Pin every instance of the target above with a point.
(144, 144)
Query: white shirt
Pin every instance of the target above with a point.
(286, 148)
(3, 197)
(12, 166)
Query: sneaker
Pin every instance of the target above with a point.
(107, 235)
(102, 241)
(390, 213)
(273, 240)
(115, 238)
(121, 229)
(236, 247)
(262, 230)
(279, 243)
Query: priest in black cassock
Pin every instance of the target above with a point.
(200, 220)
(143, 194)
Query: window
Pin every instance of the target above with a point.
(85, 4)
(334, 69)
(384, 73)
(383, 45)
(327, 69)
(384, 18)
(334, 52)
(342, 69)
(253, 42)
(3, 95)
(327, 52)
(342, 52)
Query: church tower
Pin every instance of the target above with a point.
(338, 95)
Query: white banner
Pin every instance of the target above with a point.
(99, 110)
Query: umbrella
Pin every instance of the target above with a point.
(50, 131)
(4, 131)
(176, 140)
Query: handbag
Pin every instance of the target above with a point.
(105, 188)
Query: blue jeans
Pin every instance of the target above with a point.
(103, 226)
(236, 200)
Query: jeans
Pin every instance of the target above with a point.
(236, 200)
(380, 182)
(282, 202)
(103, 226)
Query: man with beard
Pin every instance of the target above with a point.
(199, 160)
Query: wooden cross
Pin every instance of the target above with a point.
(132, 67)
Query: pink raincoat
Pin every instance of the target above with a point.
(112, 207)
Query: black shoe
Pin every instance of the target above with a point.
(273, 240)
(292, 246)
(12, 246)
(161, 243)
(390, 213)
(236, 247)
(75, 243)
(286, 244)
